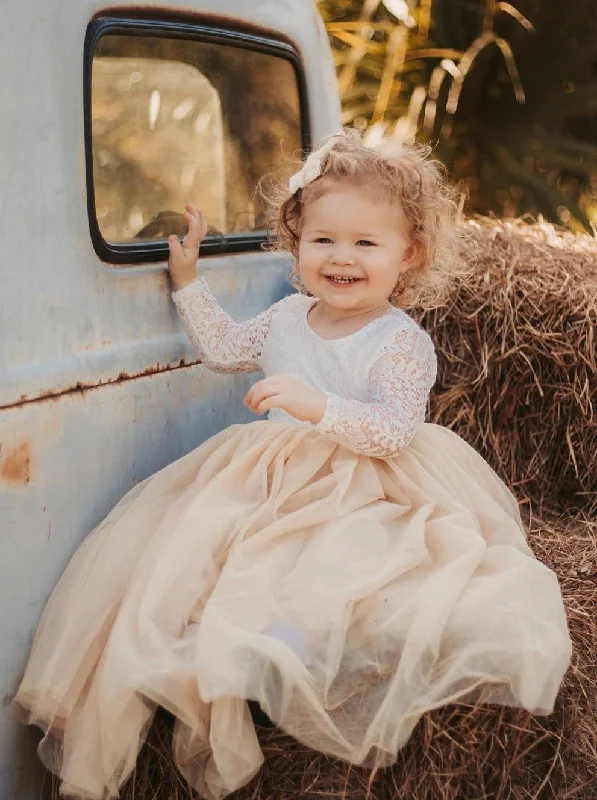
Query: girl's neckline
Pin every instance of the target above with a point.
(310, 306)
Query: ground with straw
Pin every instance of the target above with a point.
(517, 378)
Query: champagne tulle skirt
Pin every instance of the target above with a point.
(347, 595)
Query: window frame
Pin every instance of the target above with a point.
(150, 251)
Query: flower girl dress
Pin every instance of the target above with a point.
(347, 576)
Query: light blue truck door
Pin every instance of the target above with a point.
(98, 384)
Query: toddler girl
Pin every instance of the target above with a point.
(343, 564)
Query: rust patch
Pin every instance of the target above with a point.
(15, 463)
(81, 389)
(93, 346)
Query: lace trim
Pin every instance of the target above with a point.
(400, 382)
(222, 344)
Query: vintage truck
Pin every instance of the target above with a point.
(112, 118)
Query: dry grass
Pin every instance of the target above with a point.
(517, 375)
(518, 360)
(502, 89)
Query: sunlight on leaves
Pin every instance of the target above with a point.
(400, 9)
(447, 72)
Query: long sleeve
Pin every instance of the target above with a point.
(399, 386)
(222, 344)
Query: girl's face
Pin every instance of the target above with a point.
(352, 249)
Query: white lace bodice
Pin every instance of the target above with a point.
(377, 380)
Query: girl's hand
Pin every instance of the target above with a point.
(183, 257)
(288, 393)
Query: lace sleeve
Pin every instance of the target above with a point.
(222, 344)
(399, 383)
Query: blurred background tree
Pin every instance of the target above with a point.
(506, 92)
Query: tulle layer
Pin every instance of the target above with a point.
(347, 595)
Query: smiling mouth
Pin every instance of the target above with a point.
(339, 280)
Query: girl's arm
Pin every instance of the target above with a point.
(400, 382)
(222, 344)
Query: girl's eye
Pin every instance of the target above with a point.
(366, 243)
(322, 240)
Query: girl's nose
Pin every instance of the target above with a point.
(342, 255)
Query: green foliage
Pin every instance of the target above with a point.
(506, 91)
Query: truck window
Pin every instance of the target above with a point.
(179, 115)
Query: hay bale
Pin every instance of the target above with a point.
(518, 360)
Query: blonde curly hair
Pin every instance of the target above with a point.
(402, 175)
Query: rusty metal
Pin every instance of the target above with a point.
(15, 463)
(82, 388)
(99, 386)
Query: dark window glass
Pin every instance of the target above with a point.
(175, 120)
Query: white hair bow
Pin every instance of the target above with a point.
(312, 167)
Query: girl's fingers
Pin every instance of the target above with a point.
(175, 247)
(254, 397)
(199, 218)
(203, 225)
(192, 240)
(255, 392)
(261, 391)
(267, 404)
(248, 401)
(274, 400)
